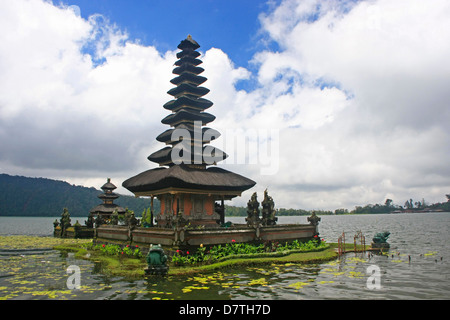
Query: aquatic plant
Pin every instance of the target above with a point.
(234, 249)
(116, 250)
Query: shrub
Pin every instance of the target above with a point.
(202, 255)
(116, 250)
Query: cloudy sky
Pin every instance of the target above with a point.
(352, 97)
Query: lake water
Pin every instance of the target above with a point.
(417, 267)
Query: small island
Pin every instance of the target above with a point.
(190, 226)
(189, 233)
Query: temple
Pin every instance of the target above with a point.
(108, 206)
(187, 182)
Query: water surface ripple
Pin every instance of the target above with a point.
(416, 267)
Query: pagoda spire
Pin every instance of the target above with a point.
(108, 196)
(188, 115)
(192, 186)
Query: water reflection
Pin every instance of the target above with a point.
(44, 277)
(416, 267)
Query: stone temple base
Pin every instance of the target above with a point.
(186, 237)
(380, 245)
(81, 232)
(157, 270)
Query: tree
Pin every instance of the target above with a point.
(388, 203)
(340, 211)
(407, 204)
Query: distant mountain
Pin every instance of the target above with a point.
(41, 197)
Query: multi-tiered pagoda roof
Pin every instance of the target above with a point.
(108, 196)
(188, 113)
(188, 169)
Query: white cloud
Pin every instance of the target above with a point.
(357, 90)
(386, 130)
(77, 97)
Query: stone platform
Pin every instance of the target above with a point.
(188, 238)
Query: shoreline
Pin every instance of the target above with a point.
(132, 268)
(278, 215)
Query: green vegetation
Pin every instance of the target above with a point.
(23, 242)
(255, 260)
(109, 259)
(235, 250)
(132, 264)
(116, 250)
(232, 211)
(387, 207)
(409, 206)
(40, 197)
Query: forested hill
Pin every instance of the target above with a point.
(41, 197)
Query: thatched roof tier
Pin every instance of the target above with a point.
(208, 133)
(182, 177)
(183, 116)
(188, 89)
(188, 53)
(188, 102)
(162, 156)
(188, 78)
(188, 68)
(209, 156)
(108, 186)
(107, 209)
(188, 44)
(189, 60)
(108, 196)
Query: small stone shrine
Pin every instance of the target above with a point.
(187, 182)
(108, 207)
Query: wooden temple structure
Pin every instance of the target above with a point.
(188, 189)
(188, 183)
(108, 206)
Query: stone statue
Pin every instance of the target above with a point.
(314, 219)
(90, 221)
(379, 241)
(132, 221)
(268, 211)
(220, 210)
(99, 220)
(115, 218)
(253, 211)
(65, 222)
(381, 237)
(156, 260)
